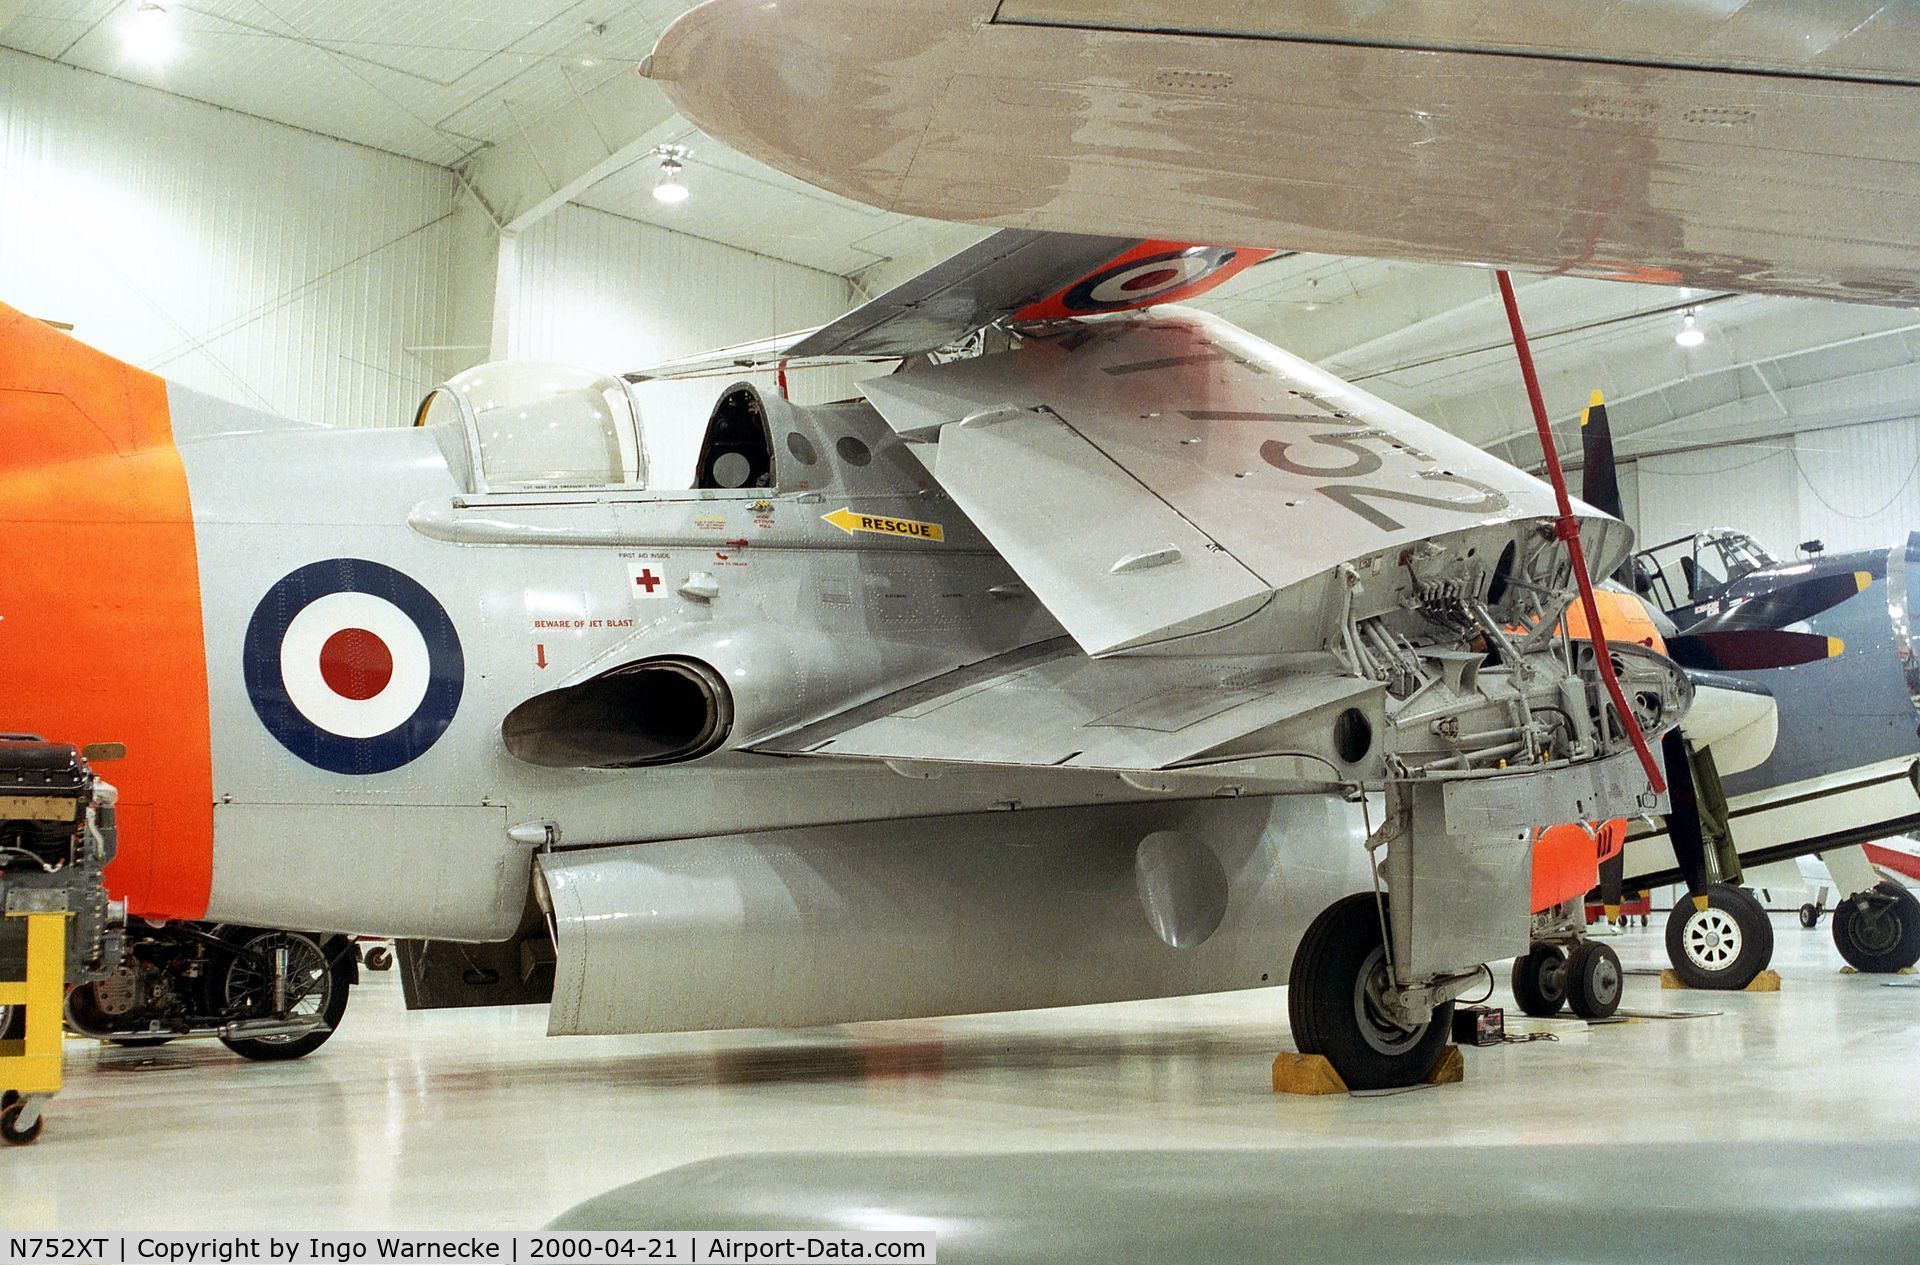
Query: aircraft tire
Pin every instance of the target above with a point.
(1884, 937)
(1330, 1012)
(1722, 946)
(1809, 917)
(1594, 980)
(1540, 980)
(333, 1004)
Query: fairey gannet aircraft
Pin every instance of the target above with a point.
(1063, 671)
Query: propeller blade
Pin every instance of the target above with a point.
(1599, 478)
(1613, 874)
(1790, 605)
(1750, 649)
(1683, 815)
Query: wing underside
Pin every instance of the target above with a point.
(1772, 148)
(1050, 706)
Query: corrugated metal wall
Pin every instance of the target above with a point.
(1859, 486)
(609, 293)
(271, 266)
(1851, 487)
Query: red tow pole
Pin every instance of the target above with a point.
(1569, 531)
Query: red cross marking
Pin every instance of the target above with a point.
(647, 580)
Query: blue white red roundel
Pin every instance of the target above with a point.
(1138, 282)
(353, 666)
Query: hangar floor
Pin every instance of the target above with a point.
(474, 1120)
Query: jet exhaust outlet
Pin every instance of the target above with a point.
(657, 711)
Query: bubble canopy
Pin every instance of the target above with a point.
(533, 425)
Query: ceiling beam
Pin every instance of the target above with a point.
(553, 159)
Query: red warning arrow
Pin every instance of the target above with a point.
(540, 655)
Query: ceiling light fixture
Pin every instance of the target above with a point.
(670, 190)
(148, 34)
(1690, 335)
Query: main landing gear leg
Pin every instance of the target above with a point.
(1374, 980)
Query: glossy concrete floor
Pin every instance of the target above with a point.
(475, 1120)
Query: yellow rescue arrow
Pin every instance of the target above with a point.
(849, 522)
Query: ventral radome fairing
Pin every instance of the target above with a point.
(1055, 672)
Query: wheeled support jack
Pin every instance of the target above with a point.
(30, 1066)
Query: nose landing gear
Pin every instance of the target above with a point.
(1587, 981)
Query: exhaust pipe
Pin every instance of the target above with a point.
(657, 711)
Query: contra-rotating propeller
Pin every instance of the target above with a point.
(1752, 635)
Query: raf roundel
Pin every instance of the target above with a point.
(353, 666)
(1138, 282)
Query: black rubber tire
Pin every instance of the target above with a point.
(1809, 917)
(379, 958)
(1732, 940)
(339, 955)
(1595, 981)
(10, 1130)
(1540, 980)
(1324, 1003)
(13, 1023)
(1883, 939)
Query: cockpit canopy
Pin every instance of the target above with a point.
(532, 425)
(1694, 569)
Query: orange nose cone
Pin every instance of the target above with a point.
(100, 623)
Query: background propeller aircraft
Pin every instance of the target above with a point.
(1074, 670)
(1830, 639)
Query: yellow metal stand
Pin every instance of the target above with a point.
(30, 1067)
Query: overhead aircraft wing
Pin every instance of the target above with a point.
(765, 351)
(1049, 706)
(1757, 147)
(1012, 276)
(1164, 475)
(986, 282)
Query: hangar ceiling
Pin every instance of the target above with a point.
(455, 83)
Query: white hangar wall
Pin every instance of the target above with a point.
(609, 293)
(255, 261)
(1851, 487)
(330, 282)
